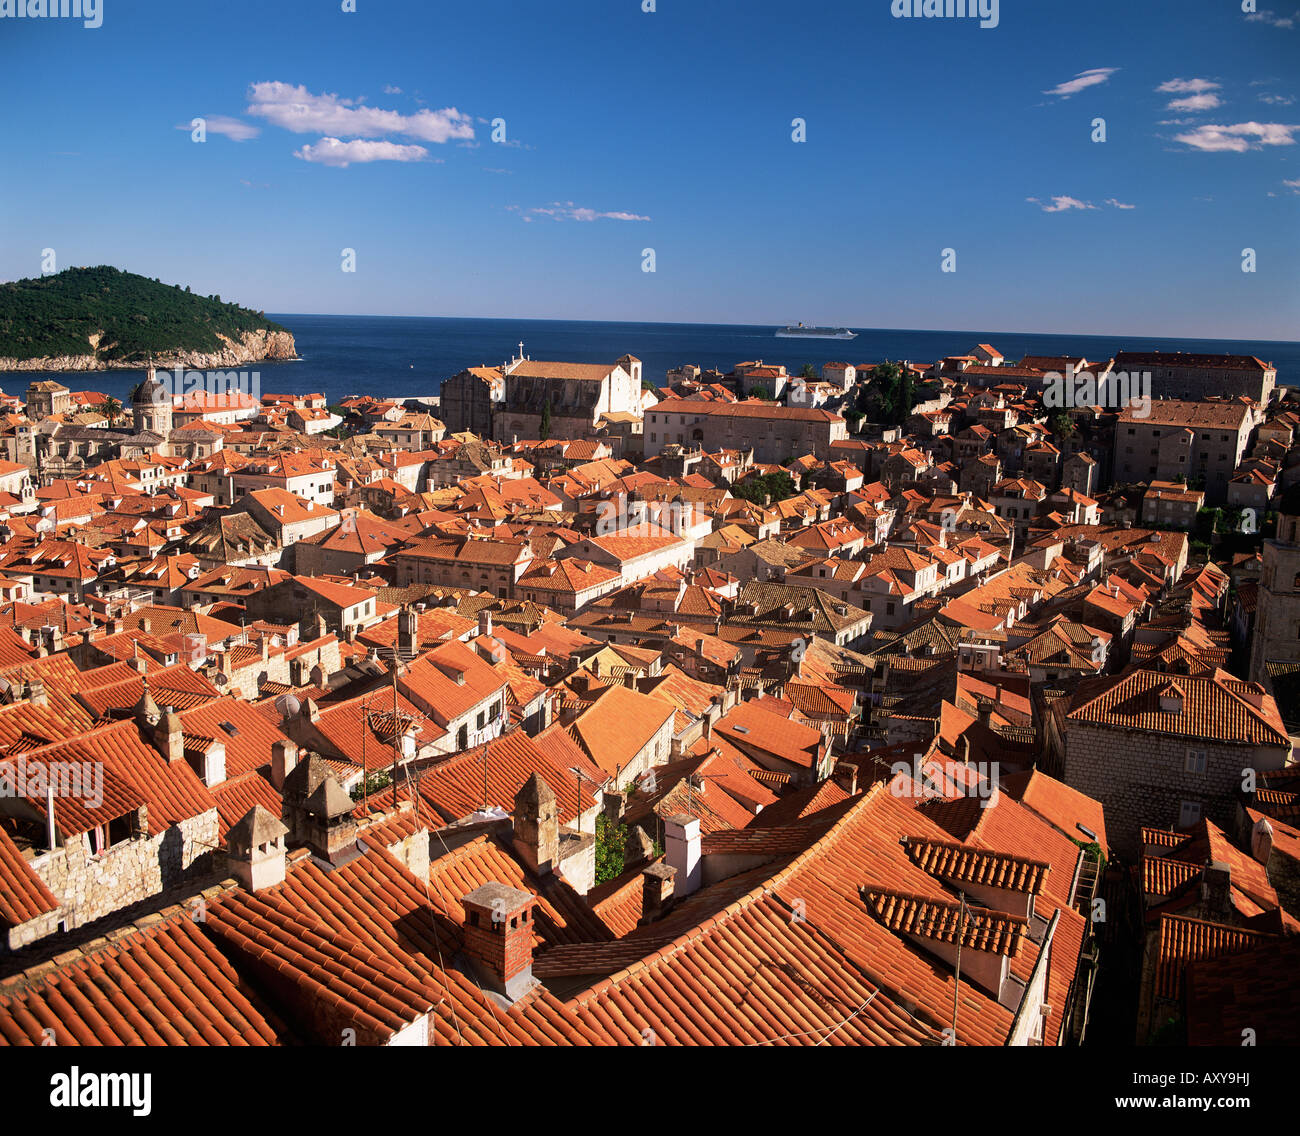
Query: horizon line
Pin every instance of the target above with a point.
(699, 323)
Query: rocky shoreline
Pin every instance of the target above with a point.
(251, 347)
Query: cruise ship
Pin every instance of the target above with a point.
(804, 331)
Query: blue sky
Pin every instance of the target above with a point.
(672, 130)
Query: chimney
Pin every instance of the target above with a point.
(214, 764)
(537, 825)
(846, 777)
(656, 890)
(168, 739)
(284, 756)
(255, 849)
(485, 622)
(1216, 891)
(408, 624)
(498, 937)
(682, 851)
(1261, 841)
(36, 693)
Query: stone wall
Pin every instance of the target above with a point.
(90, 887)
(1140, 779)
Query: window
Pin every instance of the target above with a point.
(482, 717)
(1195, 761)
(1189, 814)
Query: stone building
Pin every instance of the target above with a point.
(569, 397)
(467, 399)
(1177, 374)
(151, 407)
(46, 398)
(1277, 618)
(1201, 442)
(1164, 749)
(775, 434)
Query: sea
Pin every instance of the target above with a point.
(405, 357)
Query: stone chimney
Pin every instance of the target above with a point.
(318, 813)
(167, 737)
(36, 694)
(284, 756)
(1216, 891)
(255, 849)
(408, 631)
(682, 851)
(485, 622)
(498, 937)
(657, 883)
(846, 776)
(537, 825)
(147, 714)
(613, 805)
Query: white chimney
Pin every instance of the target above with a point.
(682, 851)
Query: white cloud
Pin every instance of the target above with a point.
(1119, 204)
(392, 90)
(332, 152)
(1237, 138)
(233, 128)
(1186, 86)
(1277, 100)
(1292, 185)
(568, 211)
(1272, 19)
(1060, 204)
(298, 110)
(1196, 102)
(1082, 81)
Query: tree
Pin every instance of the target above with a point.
(808, 372)
(760, 392)
(1061, 425)
(894, 391)
(111, 409)
(611, 840)
(545, 428)
(777, 486)
(380, 779)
